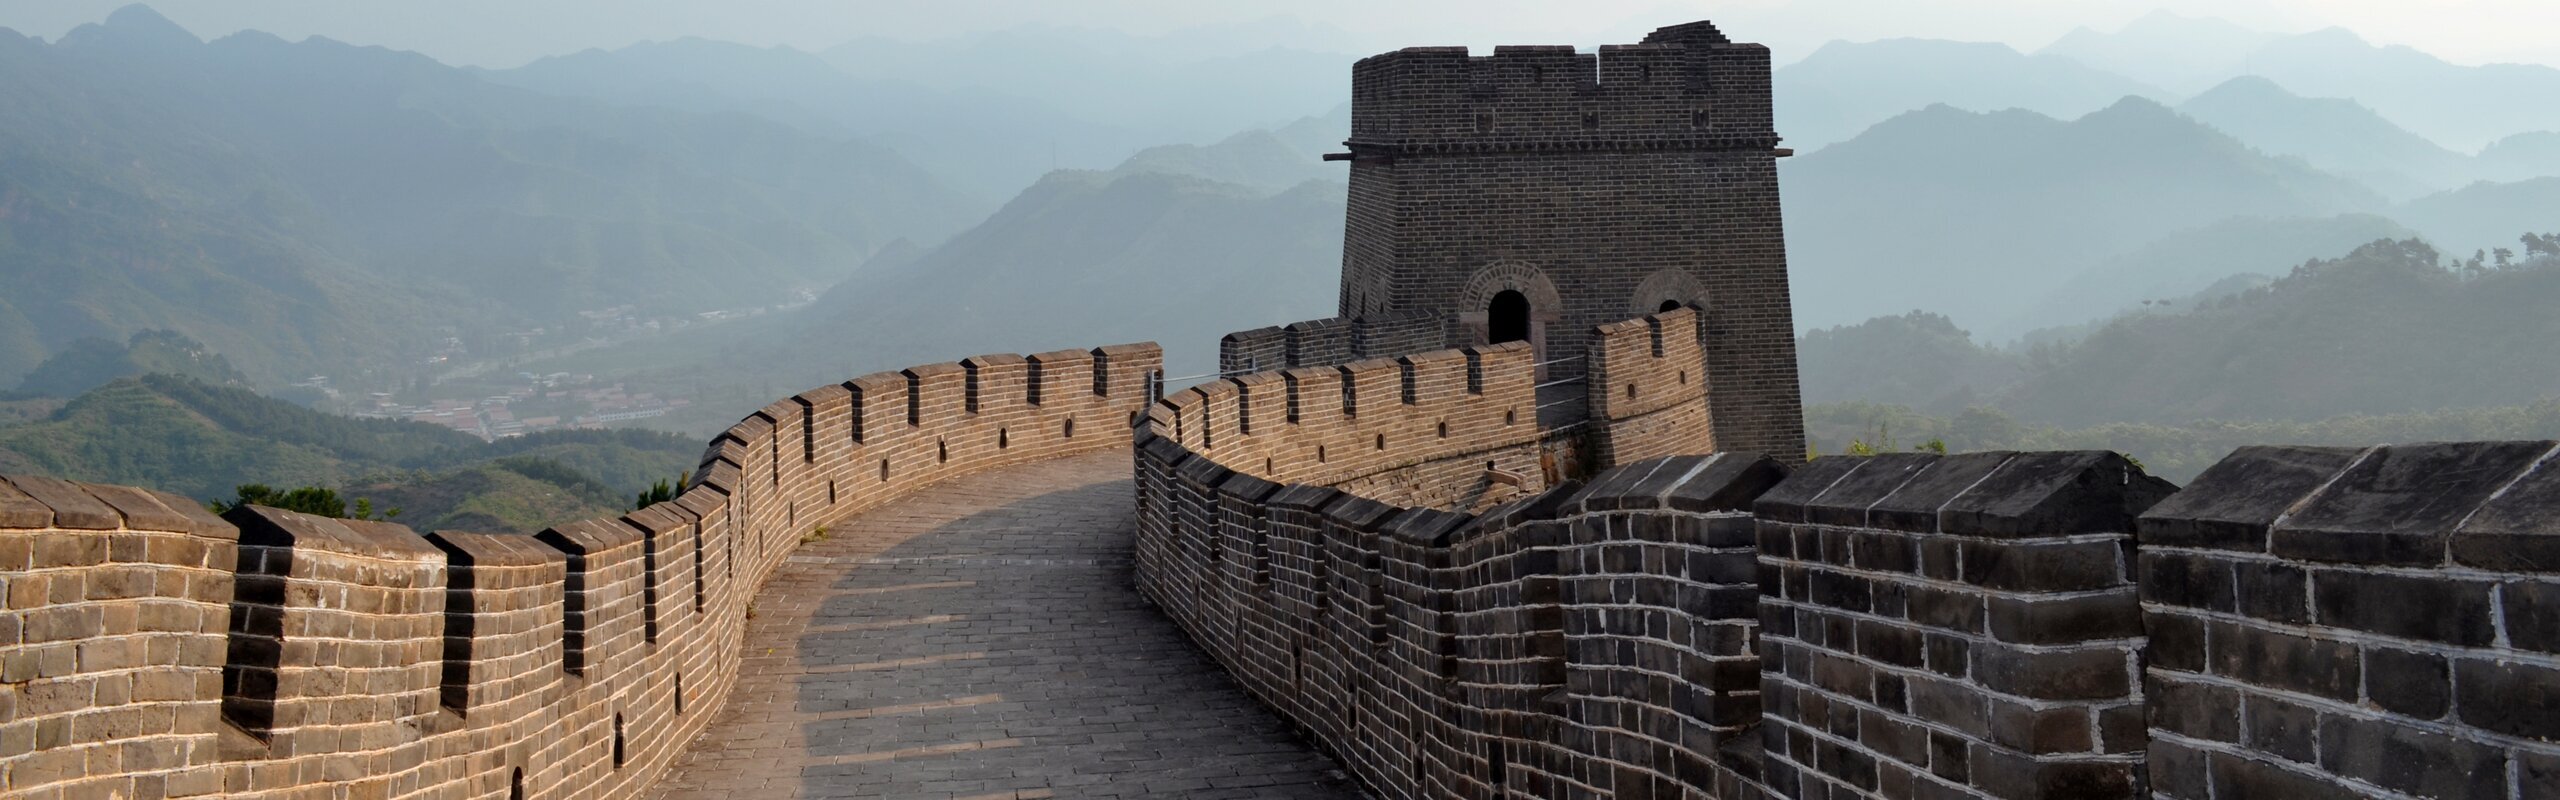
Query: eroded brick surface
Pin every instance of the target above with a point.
(980, 639)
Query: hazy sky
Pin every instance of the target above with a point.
(503, 33)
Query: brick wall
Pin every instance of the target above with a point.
(360, 659)
(1426, 429)
(1648, 389)
(1582, 641)
(1958, 626)
(1330, 342)
(111, 649)
(2303, 622)
(1599, 186)
(2358, 623)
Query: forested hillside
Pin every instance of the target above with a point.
(2386, 329)
(88, 363)
(198, 440)
(2393, 327)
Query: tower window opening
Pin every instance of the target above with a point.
(1507, 318)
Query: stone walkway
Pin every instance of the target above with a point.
(981, 640)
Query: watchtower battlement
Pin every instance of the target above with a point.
(1684, 87)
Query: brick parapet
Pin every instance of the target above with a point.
(2303, 622)
(1593, 638)
(2381, 622)
(1685, 88)
(1426, 429)
(1959, 626)
(1331, 342)
(111, 648)
(366, 660)
(1648, 389)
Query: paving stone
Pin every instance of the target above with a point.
(1020, 663)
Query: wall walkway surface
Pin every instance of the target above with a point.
(980, 639)
(150, 649)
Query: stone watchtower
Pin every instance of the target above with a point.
(1538, 192)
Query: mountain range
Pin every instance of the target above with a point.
(321, 206)
(1971, 215)
(1841, 88)
(314, 206)
(990, 113)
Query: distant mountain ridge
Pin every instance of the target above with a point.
(1269, 160)
(1972, 214)
(2334, 134)
(316, 206)
(1845, 88)
(2180, 54)
(972, 135)
(2461, 108)
(1087, 257)
(992, 112)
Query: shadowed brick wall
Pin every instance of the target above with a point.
(2302, 622)
(150, 649)
(2358, 623)
(1583, 641)
(1957, 626)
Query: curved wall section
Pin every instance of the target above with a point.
(152, 650)
(1581, 641)
(1431, 429)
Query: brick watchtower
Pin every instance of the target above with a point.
(1537, 193)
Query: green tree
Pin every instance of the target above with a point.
(314, 500)
(660, 492)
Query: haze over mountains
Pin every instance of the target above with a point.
(385, 220)
(991, 113)
(317, 206)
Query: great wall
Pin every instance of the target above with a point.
(1527, 519)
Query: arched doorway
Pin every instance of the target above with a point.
(1668, 306)
(1507, 318)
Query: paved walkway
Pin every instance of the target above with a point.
(980, 640)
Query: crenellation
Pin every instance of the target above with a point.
(341, 652)
(1647, 389)
(1127, 371)
(504, 623)
(1443, 655)
(603, 570)
(267, 654)
(1430, 427)
(997, 382)
(2335, 598)
(1057, 377)
(1993, 625)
